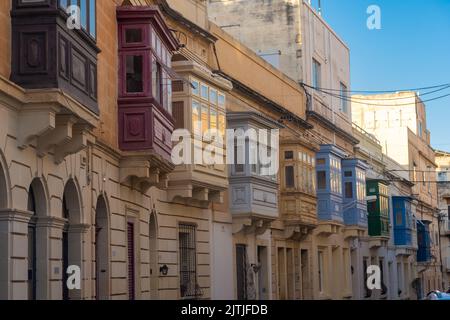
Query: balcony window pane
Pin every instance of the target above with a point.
(204, 91)
(213, 119)
(221, 100)
(92, 19)
(349, 190)
(156, 80)
(205, 120)
(134, 74)
(63, 3)
(321, 180)
(83, 12)
(133, 35)
(213, 96)
(195, 87)
(196, 121)
(288, 155)
(289, 177)
(222, 124)
(238, 167)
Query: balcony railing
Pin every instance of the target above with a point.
(368, 135)
(339, 119)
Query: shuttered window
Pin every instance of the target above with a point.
(188, 262)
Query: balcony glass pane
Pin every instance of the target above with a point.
(134, 67)
(83, 11)
(133, 35)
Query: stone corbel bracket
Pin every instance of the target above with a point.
(250, 226)
(141, 174)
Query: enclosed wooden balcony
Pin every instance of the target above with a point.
(46, 53)
(253, 191)
(298, 190)
(146, 46)
(199, 107)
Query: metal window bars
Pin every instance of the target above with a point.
(189, 287)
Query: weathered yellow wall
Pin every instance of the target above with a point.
(107, 71)
(241, 63)
(5, 38)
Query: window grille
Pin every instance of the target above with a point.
(188, 262)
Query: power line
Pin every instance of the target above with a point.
(380, 104)
(398, 98)
(379, 91)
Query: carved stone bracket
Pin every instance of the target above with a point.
(138, 171)
(189, 193)
(35, 122)
(250, 226)
(328, 228)
(296, 232)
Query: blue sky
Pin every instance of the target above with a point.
(411, 50)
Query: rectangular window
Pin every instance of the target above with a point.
(316, 80)
(321, 180)
(188, 261)
(288, 155)
(344, 98)
(348, 174)
(134, 68)
(289, 176)
(349, 190)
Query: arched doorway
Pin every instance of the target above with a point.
(101, 250)
(3, 188)
(32, 274)
(72, 237)
(153, 250)
(37, 205)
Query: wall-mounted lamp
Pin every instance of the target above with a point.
(164, 270)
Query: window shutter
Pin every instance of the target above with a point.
(178, 114)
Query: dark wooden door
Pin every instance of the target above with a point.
(241, 272)
(131, 274)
